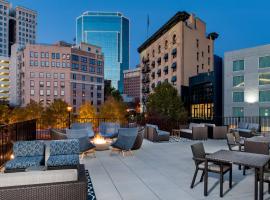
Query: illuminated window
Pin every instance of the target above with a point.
(264, 112)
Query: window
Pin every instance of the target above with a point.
(264, 62)
(75, 66)
(99, 70)
(92, 79)
(83, 86)
(174, 39)
(41, 92)
(264, 95)
(62, 84)
(48, 75)
(159, 49)
(32, 75)
(84, 68)
(83, 93)
(92, 69)
(74, 101)
(264, 112)
(55, 75)
(55, 93)
(32, 83)
(74, 85)
(41, 83)
(48, 84)
(57, 64)
(63, 64)
(62, 92)
(53, 64)
(53, 55)
(31, 54)
(99, 87)
(47, 64)
(63, 56)
(208, 60)
(153, 53)
(32, 63)
(48, 92)
(57, 55)
(99, 63)
(92, 61)
(47, 55)
(208, 49)
(238, 81)
(83, 59)
(55, 84)
(36, 54)
(202, 54)
(42, 55)
(238, 112)
(197, 56)
(74, 77)
(83, 77)
(238, 65)
(62, 76)
(197, 43)
(264, 78)
(75, 58)
(41, 75)
(238, 96)
(98, 95)
(32, 92)
(42, 64)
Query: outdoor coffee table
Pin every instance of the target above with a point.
(256, 161)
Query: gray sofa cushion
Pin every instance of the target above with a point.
(243, 125)
(38, 177)
(186, 131)
(244, 130)
(253, 126)
(161, 133)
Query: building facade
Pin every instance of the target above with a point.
(179, 50)
(247, 82)
(17, 25)
(110, 31)
(4, 78)
(60, 71)
(204, 98)
(132, 79)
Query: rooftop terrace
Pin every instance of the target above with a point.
(162, 171)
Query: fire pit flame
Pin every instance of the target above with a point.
(99, 139)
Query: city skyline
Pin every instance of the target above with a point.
(235, 33)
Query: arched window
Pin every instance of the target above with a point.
(174, 39)
(166, 44)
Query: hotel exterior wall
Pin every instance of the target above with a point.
(251, 104)
(191, 40)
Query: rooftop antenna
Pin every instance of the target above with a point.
(148, 25)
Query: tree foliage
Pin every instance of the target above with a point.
(166, 103)
(4, 114)
(87, 110)
(113, 109)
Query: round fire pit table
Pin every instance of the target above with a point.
(103, 146)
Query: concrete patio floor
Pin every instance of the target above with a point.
(162, 171)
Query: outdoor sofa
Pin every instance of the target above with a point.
(155, 135)
(216, 132)
(247, 129)
(195, 131)
(68, 184)
(87, 127)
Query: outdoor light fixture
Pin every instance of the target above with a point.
(69, 109)
(11, 156)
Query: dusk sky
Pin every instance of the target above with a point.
(240, 23)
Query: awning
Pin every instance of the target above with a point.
(174, 51)
(174, 65)
(174, 78)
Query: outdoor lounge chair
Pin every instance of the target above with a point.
(26, 154)
(109, 129)
(199, 159)
(139, 139)
(63, 154)
(195, 132)
(86, 147)
(85, 126)
(232, 144)
(156, 135)
(125, 140)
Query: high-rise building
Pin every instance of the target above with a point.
(179, 50)
(247, 82)
(60, 71)
(132, 79)
(110, 31)
(17, 25)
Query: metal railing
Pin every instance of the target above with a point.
(15, 132)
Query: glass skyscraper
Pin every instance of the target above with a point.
(110, 31)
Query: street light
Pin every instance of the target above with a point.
(69, 109)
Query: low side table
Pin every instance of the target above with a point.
(176, 132)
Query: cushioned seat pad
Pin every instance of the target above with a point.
(63, 160)
(214, 167)
(24, 162)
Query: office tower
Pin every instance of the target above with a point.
(110, 31)
(17, 25)
(60, 71)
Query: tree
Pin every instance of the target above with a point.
(166, 103)
(113, 109)
(4, 114)
(56, 114)
(87, 111)
(111, 91)
(34, 110)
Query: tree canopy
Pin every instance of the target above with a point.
(87, 111)
(166, 103)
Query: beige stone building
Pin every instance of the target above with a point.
(178, 50)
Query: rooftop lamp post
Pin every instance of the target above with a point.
(69, 109)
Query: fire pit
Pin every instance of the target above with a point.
(101, 143)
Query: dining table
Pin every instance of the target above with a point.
(251, 160)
